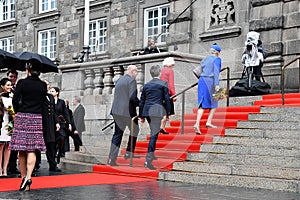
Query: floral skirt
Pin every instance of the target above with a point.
(28, 133)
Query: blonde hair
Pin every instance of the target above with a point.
(168, 61)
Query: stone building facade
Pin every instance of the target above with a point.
(118, 29)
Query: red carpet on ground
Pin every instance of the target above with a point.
(70, 180)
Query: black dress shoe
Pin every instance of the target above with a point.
(112, 162)
(149, 165)
(55, 170)
(163, 131)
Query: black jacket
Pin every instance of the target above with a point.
(30, 95)
(49, 119)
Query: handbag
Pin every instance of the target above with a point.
(197, 71)
(222, 93)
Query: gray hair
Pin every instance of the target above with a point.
(155, 71)
(213, 51)
(77, 98)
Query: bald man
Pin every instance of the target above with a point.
(123, 110)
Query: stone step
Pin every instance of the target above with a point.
(283, 117)
(249, 150)
(252, 141)
(85, 157)
(266, 133)
(268, 125)
(277, 110)
(71, 165)
(232, 180)
(266, 160)
(240, 170)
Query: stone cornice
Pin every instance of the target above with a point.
(94, 5)
(220, 33)
(256, 3)
(47, 16)
(8, 25)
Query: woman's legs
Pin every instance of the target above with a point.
(6, 159)
(197, 124)
(163, 125)
(31, 159)
(23, 163)
(1, 153)
(209, 119)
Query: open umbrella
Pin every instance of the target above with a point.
(46, 64)
(8, 60)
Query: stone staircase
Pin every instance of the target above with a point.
(263, 152)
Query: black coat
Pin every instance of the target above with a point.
(31, 91)
(49, 119)
(63, 117)
(79, 114)
(155, 99)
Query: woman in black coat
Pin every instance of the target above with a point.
(64, 120)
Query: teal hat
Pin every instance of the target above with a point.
(216, 47)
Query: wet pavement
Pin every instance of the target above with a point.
(147, 190)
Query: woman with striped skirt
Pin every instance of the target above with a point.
(28, 132)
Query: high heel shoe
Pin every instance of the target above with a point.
(23, 179)
(26, 186)
(163, 131)
(197, 130)
(208, 125)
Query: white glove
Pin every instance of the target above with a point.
(217, 88)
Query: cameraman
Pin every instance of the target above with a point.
(151, 48)
(254, 55)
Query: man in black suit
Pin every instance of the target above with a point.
(50, 126)
(154, 105)
(78, 116)
(123, 110)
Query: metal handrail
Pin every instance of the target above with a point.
(283, 75)
(190, 87)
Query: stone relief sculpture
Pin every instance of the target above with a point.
(222, 12)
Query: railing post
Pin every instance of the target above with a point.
(282, 86)
(182, 113)
(228, 82)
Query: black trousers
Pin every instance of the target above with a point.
(76, 139)
(50, 154)
(121, 123)
(12, 165)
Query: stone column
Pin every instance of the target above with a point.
(108, 81)
(140, 79)
(88, 82)
(98, 81)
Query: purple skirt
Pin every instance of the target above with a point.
(28, 133)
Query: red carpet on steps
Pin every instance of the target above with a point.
(71, 180)
(174, 147)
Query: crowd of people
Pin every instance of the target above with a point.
(41, 122)
(156, 103)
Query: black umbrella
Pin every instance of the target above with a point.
(8, 60)
(46, 64)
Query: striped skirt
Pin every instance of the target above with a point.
(28, 133)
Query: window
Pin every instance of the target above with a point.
(7, 10)
(47, 5)
(155, 23)
(98, 35)
(7, 44)
(47, 43)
